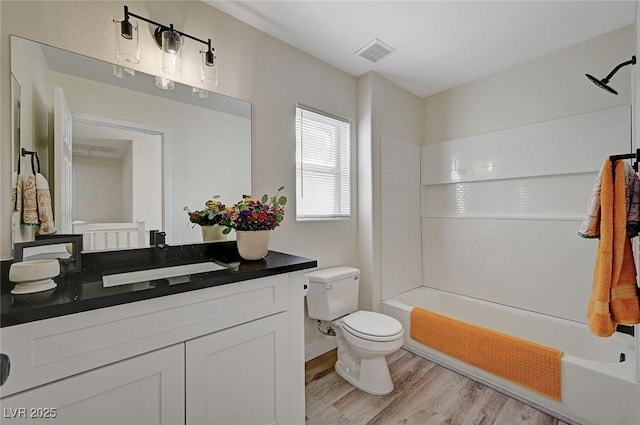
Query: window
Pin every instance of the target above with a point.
(323, 187)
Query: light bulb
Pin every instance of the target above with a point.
(171, 53)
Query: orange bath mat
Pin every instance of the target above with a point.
(531, 365)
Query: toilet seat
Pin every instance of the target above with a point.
(372, 326)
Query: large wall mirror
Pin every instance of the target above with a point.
(115, 149)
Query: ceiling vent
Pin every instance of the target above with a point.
(375, 50)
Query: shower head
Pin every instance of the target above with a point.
(603, 84)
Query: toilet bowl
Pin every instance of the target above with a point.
(363, 338)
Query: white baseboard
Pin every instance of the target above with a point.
(319, 347)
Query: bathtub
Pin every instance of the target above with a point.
(597, 388)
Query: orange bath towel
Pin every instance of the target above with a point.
(614, 296)
(526, 363)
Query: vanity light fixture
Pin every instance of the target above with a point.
(170, 40)
(199, 93)
(123, 73)
(164, 83)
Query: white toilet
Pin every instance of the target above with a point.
(364, 338)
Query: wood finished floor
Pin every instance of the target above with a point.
(424, 394)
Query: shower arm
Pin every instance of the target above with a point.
(632, 61)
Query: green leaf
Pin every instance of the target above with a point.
(227, 230)
(280, 188)
(264, 199)
(282, 200)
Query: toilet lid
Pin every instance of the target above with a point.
(372, 326)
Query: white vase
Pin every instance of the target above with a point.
(252, 245)
(213, 233)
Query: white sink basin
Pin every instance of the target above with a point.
(160, 273)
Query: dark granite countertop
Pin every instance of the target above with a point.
(83, 291)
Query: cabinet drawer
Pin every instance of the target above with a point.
(147, 389)
(47, 350)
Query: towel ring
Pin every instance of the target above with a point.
(37, 161)
(33, 154)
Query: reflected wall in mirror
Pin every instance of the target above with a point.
(121, 150)
(15, 149)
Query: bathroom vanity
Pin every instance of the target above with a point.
(220, 347)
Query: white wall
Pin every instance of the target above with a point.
(549, 87)
(98, 181)
(386, 111)
(507, 232)
(256, 67)
(400, 235)
(512, 238)
(147, 182)
(127, 188)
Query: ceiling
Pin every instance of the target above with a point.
(439, 44)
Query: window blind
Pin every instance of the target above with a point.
(323, 187)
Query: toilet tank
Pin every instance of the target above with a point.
(333, 292)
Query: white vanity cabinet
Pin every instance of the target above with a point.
(229, 354)
(233, 376)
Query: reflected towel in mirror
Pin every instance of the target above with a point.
(45, 214)
(29, 202)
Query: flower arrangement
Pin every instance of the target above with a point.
(212, 213)
(251, 214)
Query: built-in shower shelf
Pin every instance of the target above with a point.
(510, 217)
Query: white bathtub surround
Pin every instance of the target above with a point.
(597, 388)
(554, 147)
(400, 236)
(500, 211)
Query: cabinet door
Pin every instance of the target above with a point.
(240, 375)
(148, 389)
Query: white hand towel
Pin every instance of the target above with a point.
(590, 227)
(45, 214)
(29, 202)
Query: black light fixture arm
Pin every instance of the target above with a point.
(126, 32)
(632, 61)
